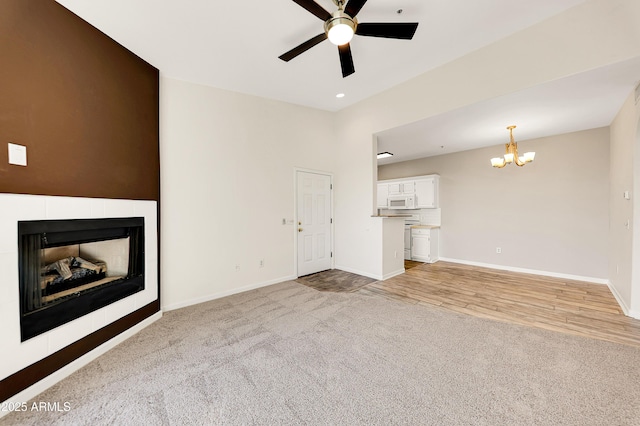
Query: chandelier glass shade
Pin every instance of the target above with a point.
(511, 154)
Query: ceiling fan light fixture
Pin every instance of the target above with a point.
(340, 34)
(340, 28)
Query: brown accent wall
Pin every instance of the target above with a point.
(85, 107)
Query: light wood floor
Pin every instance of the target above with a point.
(566, 306)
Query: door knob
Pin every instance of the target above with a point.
(299, 229)
(299, 223)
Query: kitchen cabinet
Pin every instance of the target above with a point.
(426, 191)
(383, 195)
(425, 244)
(406, 187)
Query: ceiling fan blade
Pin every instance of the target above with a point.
(346, 60)
(314, 8)
(353, 7)
(402, 30)
(303, 47)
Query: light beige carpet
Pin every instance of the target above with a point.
(288, 354)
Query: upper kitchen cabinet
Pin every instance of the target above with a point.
(423, 188)
(383, 195)
(427, 192)
(404, 187)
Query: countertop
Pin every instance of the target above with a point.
(424, 227)
(387, 216)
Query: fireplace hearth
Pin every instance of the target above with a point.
(69, 268)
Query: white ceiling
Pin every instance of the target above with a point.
(584, 101)
(235, 45)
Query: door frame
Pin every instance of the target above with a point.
(295, 216)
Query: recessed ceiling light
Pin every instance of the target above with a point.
(384, 155)
(340, 95)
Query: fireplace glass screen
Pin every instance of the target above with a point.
(69, 268)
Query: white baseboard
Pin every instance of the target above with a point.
(625, 309)
(393, 274)
(225, 293)
(37, 388)
(529, 271)
(620, 300)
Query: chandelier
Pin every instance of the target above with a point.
(511, 156)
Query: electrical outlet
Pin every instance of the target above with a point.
(237, 268)
(395, 254)
(498, 250)
(262, 263)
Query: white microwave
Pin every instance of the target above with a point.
(401, 202)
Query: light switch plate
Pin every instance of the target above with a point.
(17, 154)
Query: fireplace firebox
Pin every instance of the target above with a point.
(70, 268)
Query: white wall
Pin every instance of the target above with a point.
(594, 34)
(550, 216)
(227, 182)
(228, 159)
(392, 256)
(623, 270)
(635, 222)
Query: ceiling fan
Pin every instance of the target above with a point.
(341, 25)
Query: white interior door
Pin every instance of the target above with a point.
(314, 222)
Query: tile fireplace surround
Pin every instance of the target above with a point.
(16, 355)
